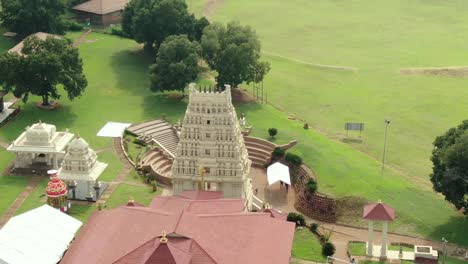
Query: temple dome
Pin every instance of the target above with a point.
(78, 144)
(40, 132)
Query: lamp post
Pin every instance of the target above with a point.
(387, 122)
(445, 249)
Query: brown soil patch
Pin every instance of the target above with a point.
(89, 41)
(240, 96)
(457, 71)
(211, 7)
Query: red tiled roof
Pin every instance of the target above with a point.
(131, 234)
(378, 212)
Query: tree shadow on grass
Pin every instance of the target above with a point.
(131, 70)
(455, 231)
(62, 118)
(159, 104)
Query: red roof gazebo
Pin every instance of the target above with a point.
(382, 213)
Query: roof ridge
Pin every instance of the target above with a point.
(258, 214)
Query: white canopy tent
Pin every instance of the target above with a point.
(113, 129)
(278, 172)
(39, 236)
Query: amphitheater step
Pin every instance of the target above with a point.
(260, 152)
(259, 146)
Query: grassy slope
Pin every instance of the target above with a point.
(118, 92)
(379, 38)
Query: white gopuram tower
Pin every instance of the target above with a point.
(211, 153)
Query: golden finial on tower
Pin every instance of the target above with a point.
(163, 239)
(202, 174)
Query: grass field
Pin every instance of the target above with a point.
(378, 39)
(118, 91)
(307, 246)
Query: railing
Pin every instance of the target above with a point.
(259, 204)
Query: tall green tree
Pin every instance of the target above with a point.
(151, 21)
(176, 64)
(450, 165)
(234, 52)
(41, 68)
(30, 16)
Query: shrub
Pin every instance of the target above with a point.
(296, 218)
(328, 249)
(293, 159)
(278, 152)
(311, 186)
(272, 132)
(313, 227)
(117, 31)
(139, 142)
(73, 26)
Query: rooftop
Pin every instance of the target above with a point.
(102, 7)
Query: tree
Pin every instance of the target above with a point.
(42, 66)
(176, 64)
(151, 21)
(328, 249)
(272, 132)
(234, 52)
(450, 166)
(30, 16)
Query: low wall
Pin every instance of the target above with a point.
(317, 206)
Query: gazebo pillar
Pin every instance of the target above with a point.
(55, 161)
(383, 250)
(370, 244)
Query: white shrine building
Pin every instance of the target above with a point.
(211, 154)
(40, 145)
(81, 169)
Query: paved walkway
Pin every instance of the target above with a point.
(282, 201)
(127, 167)
(33, 182)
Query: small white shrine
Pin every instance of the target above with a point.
(81, 169)
(40, 145)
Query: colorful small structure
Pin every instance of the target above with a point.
(57, 192)
(382, 213)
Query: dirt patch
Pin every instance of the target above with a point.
(240, 96)
(211, 6)
(51, 106)
(89, 41)
(349, 210)
(456, 71)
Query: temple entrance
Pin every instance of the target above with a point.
(40, 159)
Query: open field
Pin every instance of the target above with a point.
(378, 39)
(118, 91)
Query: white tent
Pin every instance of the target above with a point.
(113, 129)
(39, 236)
(278, 172)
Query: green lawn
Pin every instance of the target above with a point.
(450, 260)
(10, 188)
(118, 91)
(359, 34)
(307, 246)
(36, 198)
(114, 165)
(5, 43)
(126, 192)
(357, 249)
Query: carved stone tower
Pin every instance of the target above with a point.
(211, 145)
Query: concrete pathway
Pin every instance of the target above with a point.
(33, 182)
(127, 167)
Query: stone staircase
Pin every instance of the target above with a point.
(158, 163)
(259, 151)
(158, 132)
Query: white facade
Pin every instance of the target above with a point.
(40, 144)
(211, 138)
(80, 164)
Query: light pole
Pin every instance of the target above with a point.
(445, 248)
(387, 122)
